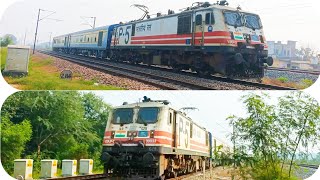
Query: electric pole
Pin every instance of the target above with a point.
(38, 20)
(35, 37)
(50, 40)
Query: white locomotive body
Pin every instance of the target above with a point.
(206, 38)
(151, 139)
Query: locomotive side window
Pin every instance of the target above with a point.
(184, 24)
(198, 20)
(191, 130)
(170, 119)
(209, 19)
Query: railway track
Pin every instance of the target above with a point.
(294, 70)
(93, 176)
(309, 166)
(164, 78)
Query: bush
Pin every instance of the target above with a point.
(307, 82)
(283, 79)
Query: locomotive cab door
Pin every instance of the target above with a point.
(203, 23)
(173, 123)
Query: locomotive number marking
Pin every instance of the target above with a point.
(125, 34)
(150, 141)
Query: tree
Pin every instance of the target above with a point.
(65, 124)
(273, 133)
(13, 143)
(8, 39)
(300, 114)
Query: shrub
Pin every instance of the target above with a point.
(283, 79)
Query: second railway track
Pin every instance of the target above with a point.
(163, 78)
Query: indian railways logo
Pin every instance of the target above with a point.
(210, 29)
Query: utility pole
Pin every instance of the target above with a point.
(50, 40)
(25, 36)
(38, 20)
(35, 37)
(94, 22)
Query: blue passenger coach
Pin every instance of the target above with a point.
(92, 42)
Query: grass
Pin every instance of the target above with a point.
(43, 75)
(304, 84)
(3, 56)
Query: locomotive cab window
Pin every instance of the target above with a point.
(209, 19)
(123, 116)
(198, 20)
(148, 115)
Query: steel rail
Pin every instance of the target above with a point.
(166, 83)
(97, 64)
(294, 70)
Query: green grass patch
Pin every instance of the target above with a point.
(306, 83)
(43, 75)
(283, 79)
(3, 57)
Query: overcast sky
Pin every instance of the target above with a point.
(283, 20)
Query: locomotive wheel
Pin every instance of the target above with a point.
(203, 73)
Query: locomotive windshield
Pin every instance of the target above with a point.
(233, 18)
(252, 21)
(148, 115)
(123, 116)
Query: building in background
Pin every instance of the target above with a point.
(288, 56)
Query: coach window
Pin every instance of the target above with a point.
(95, 39)
(199, 19)
(209, 19)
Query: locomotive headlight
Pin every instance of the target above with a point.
(152, 134)
(262, 39)
(135, 134)
(113, 134)
(232, 35)
(129, 134)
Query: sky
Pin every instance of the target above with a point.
(283, 20)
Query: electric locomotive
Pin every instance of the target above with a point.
(150, 139)
(206, 38)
